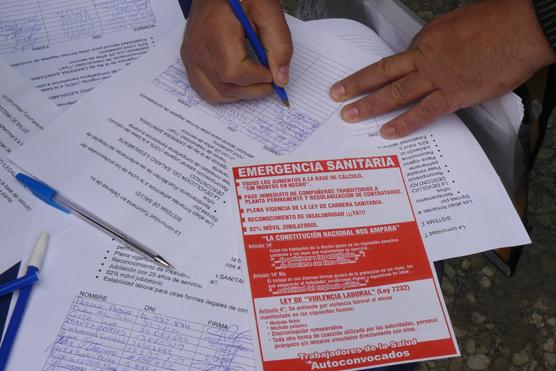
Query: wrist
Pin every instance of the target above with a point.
(524, 31)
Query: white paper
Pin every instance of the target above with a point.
(98, 305)
(23, 112)
(67, 47)
(393, 22)
(353, 33)
(465, 208)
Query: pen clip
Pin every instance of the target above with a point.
(41, 191)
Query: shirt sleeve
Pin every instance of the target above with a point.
(185, 5)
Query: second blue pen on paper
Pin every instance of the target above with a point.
(28, 279)
(33, 267)
(257, 45)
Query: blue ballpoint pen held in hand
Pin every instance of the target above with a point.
(33, 267)
(257, 45)
(54, 199)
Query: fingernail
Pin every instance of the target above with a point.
(350, 113)
(388, 132)
(337, 92)
(282, 75)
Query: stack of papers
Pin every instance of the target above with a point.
(64, 49)
(144, 153)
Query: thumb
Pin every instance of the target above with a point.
(275, 37)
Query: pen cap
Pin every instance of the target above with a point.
(37, 257)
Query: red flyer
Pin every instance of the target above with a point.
(337, 271)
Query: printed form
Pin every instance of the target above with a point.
(23, 112)
(156, 155)
(339, 277)
(146, 318)
(67, 47)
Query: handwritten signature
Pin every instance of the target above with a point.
(227, 344)
(22, 31)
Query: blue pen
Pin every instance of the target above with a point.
(29, 279)
(257, 45)
(54, 199)
(33, 268)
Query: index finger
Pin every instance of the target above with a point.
(432, 107)
(374, 76)
(275, 35)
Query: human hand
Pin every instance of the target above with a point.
(464, 57)
(214, 54)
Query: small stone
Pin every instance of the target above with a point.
(478, 318)
(540, 306)
(549, 345)
(448, 288)
(426, 15)
(465, 264)
(550, 360)
(536, 320)
(532, 366)
(490, 326)
(500, 364)
(456, 364)
(482, 350)
(544, 220)
(470, 346)
(485, 282)
(487, 271)
(449, 271)
(551, 321)
(470, 297)
(520, 359)
(546, 154)
(478, 362)
(459, 332)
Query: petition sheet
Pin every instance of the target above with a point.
(339, 277)
(460, 203)
(147, 155)
(67, 47)
(100, 306)
(23, 113)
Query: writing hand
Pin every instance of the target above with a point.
(215, 56)
(464, 57)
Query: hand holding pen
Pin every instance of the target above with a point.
(215, 55)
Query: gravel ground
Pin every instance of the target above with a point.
(504, 323)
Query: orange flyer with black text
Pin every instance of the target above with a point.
(338, 275)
